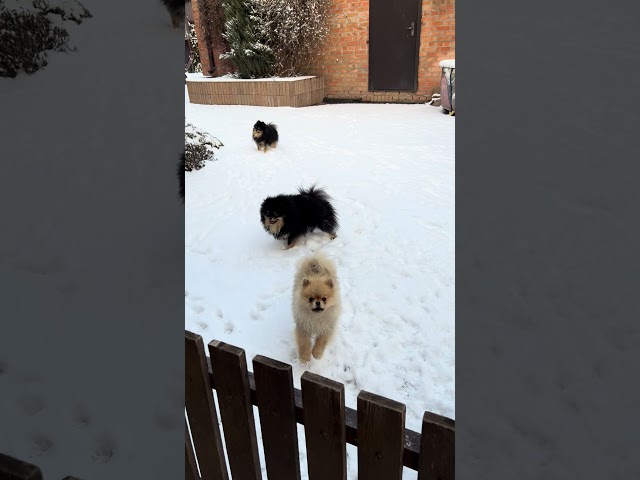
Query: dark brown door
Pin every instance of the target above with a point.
(394, 40)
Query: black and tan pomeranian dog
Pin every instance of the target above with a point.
(291, 216)
(265, 135)
(176, 10)
(180, 172)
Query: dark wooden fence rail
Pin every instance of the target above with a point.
(14, 469)
(376, 427)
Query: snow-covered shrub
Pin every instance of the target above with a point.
(247, 50)
(28, 33)
(199, 146)
(196, 65)
(294, 30)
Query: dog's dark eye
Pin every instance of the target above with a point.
(324, 299)
(311, 299)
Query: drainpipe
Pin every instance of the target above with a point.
(212, 65)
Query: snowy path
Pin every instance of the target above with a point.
(390, 170)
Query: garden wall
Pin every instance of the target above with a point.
(287, 92)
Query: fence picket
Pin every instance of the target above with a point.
(437, 449)
(229, 367)
(276, 404)
(201, 411)
(190, 467)
(380, 437)
(13, 468)
(324, 427)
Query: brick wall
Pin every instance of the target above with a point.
(344, 60)
(223, 67)
(202, 46)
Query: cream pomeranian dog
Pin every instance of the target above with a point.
(316, 305)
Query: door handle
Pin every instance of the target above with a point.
(412, 28)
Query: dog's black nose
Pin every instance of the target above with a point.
(317, 304)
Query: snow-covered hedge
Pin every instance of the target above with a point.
(199, 146)
(247, 50)
(28, 32)
(274, 37)
(294, 31)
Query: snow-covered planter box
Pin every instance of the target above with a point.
(264, 92)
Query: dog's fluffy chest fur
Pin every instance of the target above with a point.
(313, 323)
(276, 229)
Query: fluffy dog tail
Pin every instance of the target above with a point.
(315, 192)
(317, 265)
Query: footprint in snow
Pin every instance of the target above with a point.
(40, 444)
(81, 415)
(197, 309)
(293, 356)
(103, 451)
(32, 405)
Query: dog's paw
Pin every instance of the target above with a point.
(305, 358)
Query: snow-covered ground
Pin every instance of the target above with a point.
(57, 126)
(390, 170)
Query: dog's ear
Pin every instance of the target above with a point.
(305, 282)
(329, 283)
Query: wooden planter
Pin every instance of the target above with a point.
(265, 92)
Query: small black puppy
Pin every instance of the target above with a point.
(290, 216)
(265, 135)
(180, 172)
(176, 10)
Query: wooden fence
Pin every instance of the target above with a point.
(376, 427)
(14, 469)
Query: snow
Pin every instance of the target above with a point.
(390, 170)
(199, 77)
(47, 418)
(448, 64)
